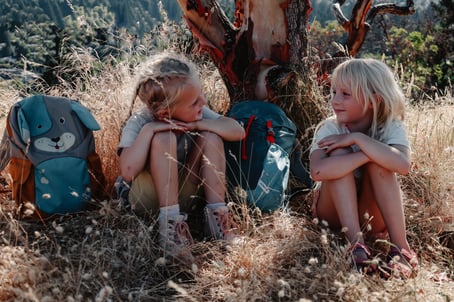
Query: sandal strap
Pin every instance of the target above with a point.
(360, 246)
(358, 251)
(408, 256)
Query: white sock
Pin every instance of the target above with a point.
(216, 205)
(169, 211)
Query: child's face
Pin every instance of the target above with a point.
(348, 110)
(188, 107)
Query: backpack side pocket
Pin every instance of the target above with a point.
(21, 171)
(269, 194)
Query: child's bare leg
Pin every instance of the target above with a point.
(207, 165)
(208, 162)
(338, 203)
(164, 168)
(368, 205)
(338, 206)
(174, 234)
(387, 194)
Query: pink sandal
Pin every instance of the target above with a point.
(361, 258)
(402, 263)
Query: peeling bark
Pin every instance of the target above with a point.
(262, 34)
(267, 33)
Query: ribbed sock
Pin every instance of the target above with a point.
(216, 205)
(169, 211)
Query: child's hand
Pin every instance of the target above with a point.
(167, 125)
(336, 141)
(191, 126)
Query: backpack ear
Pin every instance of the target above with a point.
(85, 116)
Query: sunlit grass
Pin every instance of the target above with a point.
(109, 254)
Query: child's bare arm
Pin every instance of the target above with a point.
(392, 157)
(134, 158)
(335, 165)
(227, 128)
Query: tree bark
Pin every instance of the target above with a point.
(263, 33)
(263, 53)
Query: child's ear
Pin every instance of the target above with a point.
(378, 99)
(162, 113)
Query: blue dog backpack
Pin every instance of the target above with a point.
(52, 159)
(260, 163)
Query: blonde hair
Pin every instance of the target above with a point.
(162, 78)
(371, 80)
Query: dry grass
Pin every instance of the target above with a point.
(109, 254)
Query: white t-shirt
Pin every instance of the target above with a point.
(138, 119)
(396, 134)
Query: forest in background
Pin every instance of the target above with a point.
(36, 35)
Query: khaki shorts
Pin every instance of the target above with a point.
(142, 195)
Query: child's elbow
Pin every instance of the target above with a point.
(127, 173)
(127, 177)
(241, 134)
(316, 175)
(237, 135)
(405, 169)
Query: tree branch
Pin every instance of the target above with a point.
(357, 27)
(389, 8)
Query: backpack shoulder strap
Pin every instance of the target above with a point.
(270, 132)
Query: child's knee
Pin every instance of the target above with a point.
(211, 137)
(165, 138)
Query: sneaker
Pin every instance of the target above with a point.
(402, 263)
(219, 224)
(361, 258)
(175, 238)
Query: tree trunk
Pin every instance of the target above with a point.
(263, 53)
(271, 33)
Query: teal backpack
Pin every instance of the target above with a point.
(51, 154)
(260, 163)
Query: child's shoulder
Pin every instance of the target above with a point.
(330, 124)
(142, 114)
(209, 113)
(138, 119)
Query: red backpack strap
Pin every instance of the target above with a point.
(246, 130)
(269, 131)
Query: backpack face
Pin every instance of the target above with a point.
(50, 140)
(59, 132)
(260, 163)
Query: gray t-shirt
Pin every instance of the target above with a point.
(138, 119)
